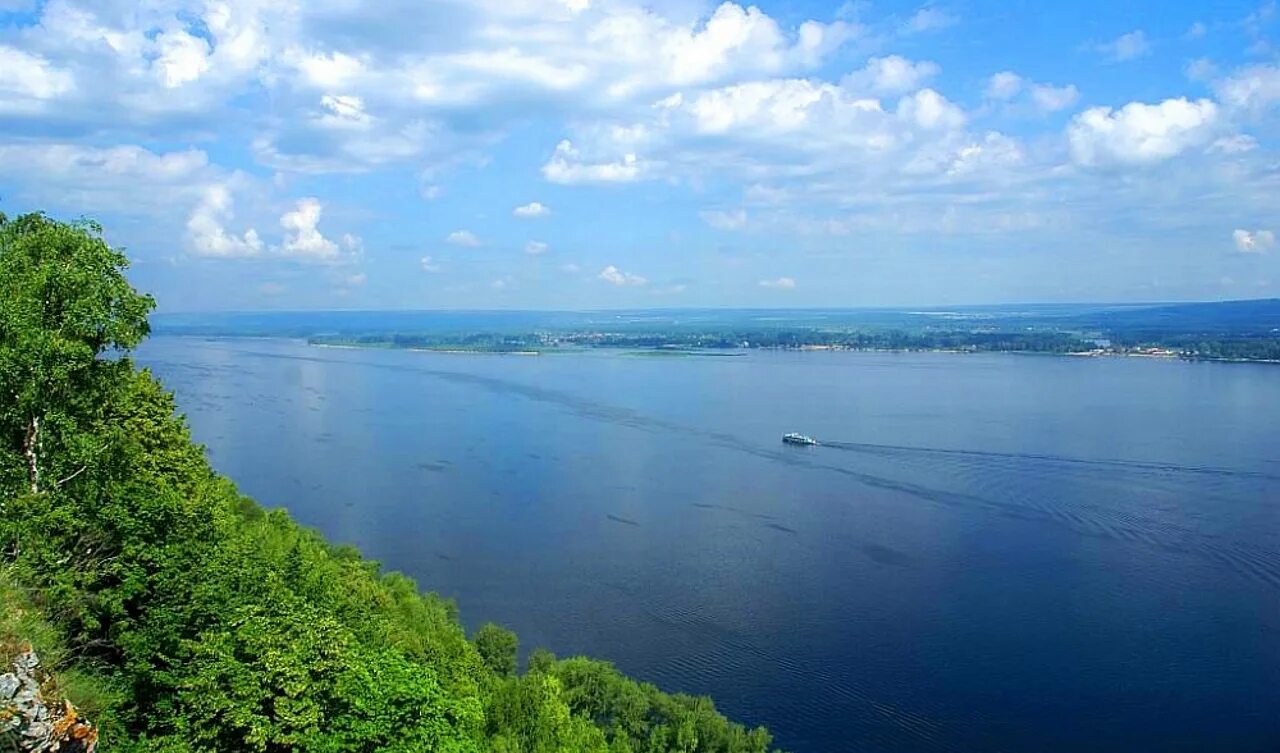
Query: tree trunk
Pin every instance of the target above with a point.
(30, 448)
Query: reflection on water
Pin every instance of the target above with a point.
(984, 553)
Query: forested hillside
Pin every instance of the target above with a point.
(181, 616)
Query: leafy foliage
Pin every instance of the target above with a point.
(218, 625)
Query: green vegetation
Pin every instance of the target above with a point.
(187, 618)
(690, 342)
(1257, 346)
(1208, 348)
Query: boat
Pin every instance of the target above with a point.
(795, 438)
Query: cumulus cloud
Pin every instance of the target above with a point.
(929, 18)
(24, 76)
(207, 235)
(345, 99)
(1007, 86)
(1126, 47)
(930, 110)
(1140, 133)
(781, 283)
(127, 179)
(428, 264)
(1253, 242)
(721, 104)
(891, 74)
(1049, 98)
(303, 238)
(531, 210)
(1254, 88)
(464, 238)
(567, 165)
(1004, 85)
(615, 276)
(535, 248)
(181, 57)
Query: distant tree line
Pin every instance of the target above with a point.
(1197, 346)
(962, 340)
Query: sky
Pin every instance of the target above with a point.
(585, 154)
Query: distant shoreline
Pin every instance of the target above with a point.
(832, 348)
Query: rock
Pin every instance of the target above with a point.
(31, 723)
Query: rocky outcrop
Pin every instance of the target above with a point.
(31, 724)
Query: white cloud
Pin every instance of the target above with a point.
(535, 248)
(1196, 30)
(1254, 87)
(428, 264)
(531, 210)
(356, 279)
(205, 231)
(464, 238)
(1235, 144)
(615, 276)
(929, 18)
(126, 178)
(1201, 69)
(930, 110)
(567, 166)
(303, 238)
(725, 220)
(182, 57)
(993, 150)
(718, 105)
(571, 268)
(1255, 242)
(1126, 47)
(1049, 98)
(1007, 86)
(1140, 133)
(27, 76)
(346, 99)
(344, 111)
(733, 40)
(891, 74)
(325, 71)
(781, 283)
(1004, 85)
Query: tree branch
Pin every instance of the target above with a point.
(30, 445)
(59, 484)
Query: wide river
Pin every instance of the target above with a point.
(986, 553)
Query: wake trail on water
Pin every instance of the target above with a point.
(1256, 563)
(887, 449)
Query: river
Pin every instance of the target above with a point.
(986, 552)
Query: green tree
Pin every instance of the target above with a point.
(64, 301)
(497, 647)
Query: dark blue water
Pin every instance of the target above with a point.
(988, 552)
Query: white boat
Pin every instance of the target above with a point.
(794, 438)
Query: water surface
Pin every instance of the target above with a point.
(988, 552)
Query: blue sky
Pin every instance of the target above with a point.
(255, 154)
